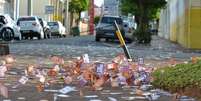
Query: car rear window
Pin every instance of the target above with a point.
(25, 19)
(110, 20)
(52, 23)
(2, 20)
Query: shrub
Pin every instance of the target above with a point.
(179, 77)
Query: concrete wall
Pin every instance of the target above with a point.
(38, 8)
(6, 7)
(195, 24)
(111, 7)
(181, 22)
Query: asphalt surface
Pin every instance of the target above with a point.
(35, 51)
(160, 49)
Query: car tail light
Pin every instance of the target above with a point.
(129, 30)
(34, 24)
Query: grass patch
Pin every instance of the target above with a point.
(184, 79)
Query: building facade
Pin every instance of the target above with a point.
(37, 8)
(98, 11)
(6, 7)
(111, 7)
(180, 22)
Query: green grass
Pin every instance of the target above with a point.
(179, 77)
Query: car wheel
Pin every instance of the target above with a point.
(60, 35)
(40, 35)
(48, 34)
(31, 37)
(26, 37)
(107, 39)
(7, 34)
(19, 37)
(45, 36)
(64, 36)
(97, 39)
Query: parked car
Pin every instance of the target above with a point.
(128, 27)
(8, 28)
(46, 28)
(57, 29)
(106, 27)
(30, 27)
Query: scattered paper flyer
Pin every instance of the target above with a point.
(67, 89)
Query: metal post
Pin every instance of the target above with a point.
(67, 16)
(91, 13)
(29, 10)
(17, 7)
(122, 42)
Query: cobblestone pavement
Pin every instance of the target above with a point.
(160, 49)
(35, 51)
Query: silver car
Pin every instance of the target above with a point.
(106, 28)
(57, 29)
(30, 27)
(8, 28)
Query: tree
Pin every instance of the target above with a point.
(144, 11)
(76, 7)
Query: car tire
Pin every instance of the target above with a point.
(60, 35)
(19, 37)
(26, 37)
(31, 37)
(7, 34)
(63, 36)
(41, 35)
(106, 39)
(97, 39)
(45, 36)
(48, 34)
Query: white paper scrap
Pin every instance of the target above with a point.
(50, 90)
(67, 89)
(112, 99)
(91, 96)
(23, 80)
(95, 100)
(116, 93)
(62, 95)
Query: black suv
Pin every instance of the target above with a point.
(106, 28)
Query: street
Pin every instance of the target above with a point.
(100, 50)
(160, 49)
(39, 51)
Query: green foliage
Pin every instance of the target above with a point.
(96, 19)
(144, 11)
(179, 77)
(77, 6)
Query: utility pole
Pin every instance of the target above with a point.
(67, 16)
(91, 14)
(29, 10)
(16, 9)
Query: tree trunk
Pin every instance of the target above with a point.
(71, 19)
(79, 17)
(143, 36)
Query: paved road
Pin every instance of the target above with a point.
(27, 51)
(160, 49)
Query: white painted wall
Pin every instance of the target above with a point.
(38, 8)
(5, 7)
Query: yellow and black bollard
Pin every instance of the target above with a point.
(122, 42)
